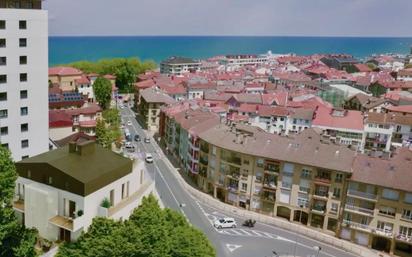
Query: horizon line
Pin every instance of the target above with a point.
(267, 36)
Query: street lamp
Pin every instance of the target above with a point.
(317, 248)
(296, 238)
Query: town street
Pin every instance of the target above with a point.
(259, 241)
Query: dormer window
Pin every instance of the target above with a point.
(50, 180)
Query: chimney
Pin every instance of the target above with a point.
(72, 147)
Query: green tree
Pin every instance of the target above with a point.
(15, 240)
(112, 117)
(103, 91)
(106, 134)
(150, 232)
(126, 76)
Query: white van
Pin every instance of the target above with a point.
(225, 223)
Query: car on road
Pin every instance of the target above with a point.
(149, 158)
(137, 138)
(147, 140)
(225, 223)
(129, 123)
(129, 147)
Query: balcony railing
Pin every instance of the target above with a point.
(319, 208)
(364, 195)
(324, 180)
(404, 238)
(233, 189)
(359, 209)
(321, 194)
(384, 232)
(269, 184)
(357, 225)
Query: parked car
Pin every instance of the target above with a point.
(129, 123)
(225, 223)
(149, 158)
(137, 138)
(147, 140)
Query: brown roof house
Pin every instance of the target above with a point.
(60, 192)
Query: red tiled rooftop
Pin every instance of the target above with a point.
(64, 71)
(351, 120)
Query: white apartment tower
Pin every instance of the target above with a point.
(23, 77)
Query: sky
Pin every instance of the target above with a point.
(231, 17)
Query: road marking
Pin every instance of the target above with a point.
(236, 232)
(269, 235)
(256, 233)
(232, 247)
(244, 231)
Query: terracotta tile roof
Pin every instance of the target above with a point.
(83, 80)
(248, 108)
(331, 118)
(59, 119)
(144, 84)
(362, 67)
(394, 173)
(78, 137)
(152, 95)
(267, 111)
(402, 108)
(388, 118)
(90, 108)
(64, 71)
(306, 148)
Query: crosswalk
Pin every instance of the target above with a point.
(247, 233)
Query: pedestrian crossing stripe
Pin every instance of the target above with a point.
(244, 231)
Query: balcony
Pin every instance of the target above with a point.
(322, 180)
(358, 210)
(269, 185)
(204, 161)
(233, 189)
(204, 148)
(383, 232)
(68, 223)
(320, 194)
(362, 195)
(356, 225)
(194, 146)
(268, 196)
(234, 175)
(320, 209)
(18, 205)
(405, 238)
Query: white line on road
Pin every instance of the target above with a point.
(236, 232)
(232, 247)
(244, 231)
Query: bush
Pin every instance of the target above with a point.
(105, 203)
(79, 213)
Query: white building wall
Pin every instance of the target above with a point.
(36, 85)
(60, 133)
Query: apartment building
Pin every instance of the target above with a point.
(378, 209)
(151, 100)
(61, 191)
(233, 61)
(297, 178)
(179, 65)
(23, 78)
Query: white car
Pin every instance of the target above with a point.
(129, 123)
(147, 140)
(149, 158)
(225, 223)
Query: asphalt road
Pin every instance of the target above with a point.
(259, 241)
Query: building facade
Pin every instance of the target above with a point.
(61, 191)
(179, 65)
(23, 78)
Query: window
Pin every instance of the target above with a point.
(23, 77)
(385, 226)
(288, 169)
(3, 114)
(23, 94)
(244, 187)
(22, 24)
(405, 231)
(3, 79)
(245, 161)
(334, 207)
(23, 42)
(259, 163)
(390, 194)
(24, 143)
(5, 145)
(123, 191)
(4, 131)
(50, 180)
(3, 96)
(2, 42)
(306, 173)
(386, 210)
(23, 60)
(29, 171)
(408, 198)
(336, 192)
(407, 214)
(339, 177)
(3, 60)
(2, 24)
(24, 127)
(24, 111)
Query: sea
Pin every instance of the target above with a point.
(64, 50)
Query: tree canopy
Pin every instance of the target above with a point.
(109, 66)
(150, 231)
(15, 240)
(126, 75)
(102, 88)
